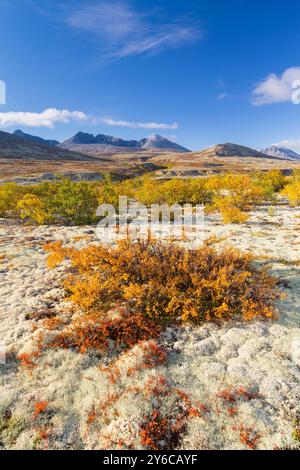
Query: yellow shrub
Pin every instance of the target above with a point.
(150, 193)
(57, 253)
(169, 284)
(238, 190)
(200, 191)
(270, 182)
(31, 207)
(174, 191)
(292, 192)
(108, 192)
(233, 215)
(10, 194)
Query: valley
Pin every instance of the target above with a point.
(26, 159)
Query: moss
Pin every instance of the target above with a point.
(296, 432)
(11, 427)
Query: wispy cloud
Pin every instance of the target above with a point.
(222, 96)
(276, 88)
(123, 31)
(139, 125)
(51, 116)
(289, 144)
(47, 118)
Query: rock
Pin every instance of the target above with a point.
(206, 347)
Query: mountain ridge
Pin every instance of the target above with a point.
(35, 138)
(21, 145)
(154, 142)
(229, 150)
(15, 147)
(282, 152)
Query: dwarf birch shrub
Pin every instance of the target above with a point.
(167, 283)
(292, 192)
(32, 209)
(63, 201)
(270, 183)
(98, 332)
(233, 196)
(238, 190)
(233, 215)
(74, 202)
(10, 194)
(67, 202)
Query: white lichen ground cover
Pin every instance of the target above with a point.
(203, 361)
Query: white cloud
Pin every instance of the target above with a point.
(172, 137)
(222, 96)
(289, 144)
(276, 88)
(47, 118)
(123, 31)
(140, 125)
(171, 38)
(2, 92)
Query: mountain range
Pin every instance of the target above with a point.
(108, 142)
(34, 138)
(101, 142)
(19, 148)
(233, 150)
(85, 146)
(282, 152)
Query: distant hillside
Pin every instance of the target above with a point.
(83, 138)
(232, 150)
(14, 147)
(105, 143)
(282, 152)
(34, 138)
(157, 142)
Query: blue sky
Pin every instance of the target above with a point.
(198, 71)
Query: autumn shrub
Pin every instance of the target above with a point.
(296, 174)
(68, 202)
(39, 407)
(32, 209)
(248, 436)
(150, 192)
(292, 192)
(233, 196)
(296, 432)
(167, 283)
(98, 332)
(174, 191)
(74, 202)
(200, 192)
(243, 191)
(10, 194)
(108, 192)
(154, 430)
(270, 183)
(233, 215)
(63, 201)
(238, 189)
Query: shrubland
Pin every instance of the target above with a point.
(68, 202)
(62, 201)
(292, 190)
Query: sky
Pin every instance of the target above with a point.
(199, 72)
